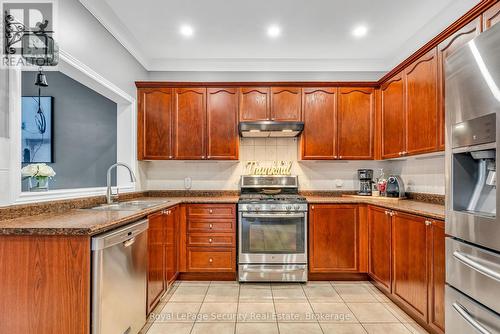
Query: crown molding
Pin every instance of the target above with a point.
(105, 15)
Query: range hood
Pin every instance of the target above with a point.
(262, 129)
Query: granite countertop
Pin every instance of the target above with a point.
(82, 222)
(91, 222)
(434, 211)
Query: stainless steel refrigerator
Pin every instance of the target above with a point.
(472, 225)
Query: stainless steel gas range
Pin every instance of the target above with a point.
(272, 230)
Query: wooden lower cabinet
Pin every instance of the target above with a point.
(45, 284)
(202, 259)
(156, 259)
(379, 246)
(333, 238)
(410, 262)
(406, 259)
(172, 245)
(163, 253)
(210, 241)
(436, 252)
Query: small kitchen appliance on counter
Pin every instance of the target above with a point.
(365, 182)
(395, 187)
(272, 230)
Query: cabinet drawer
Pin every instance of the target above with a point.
(206, 259)
(211, 225)
(211, 239)
(212, 210)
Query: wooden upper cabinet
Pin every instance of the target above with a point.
(254, 104)
(445, 48)
(189, 123)
(154, 131)
(222, 124)
(410, 270)
(355, 117)
(286, 103)
(333, 238)
(319, 113)
(437, 262)
(393, 118)
(379, 246)
(421, 93)
(491, 16)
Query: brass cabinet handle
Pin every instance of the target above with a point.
(210, 240)
(210, 226)
(210, 211)
(428, 223)
(210, 260)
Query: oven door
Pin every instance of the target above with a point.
(273, 237)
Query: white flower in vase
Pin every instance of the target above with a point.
(39, 175)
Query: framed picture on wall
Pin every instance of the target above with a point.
(36, 126)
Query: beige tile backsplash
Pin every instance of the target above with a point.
(420, 174)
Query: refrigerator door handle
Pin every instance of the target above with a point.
(467, 317)
(476, 265)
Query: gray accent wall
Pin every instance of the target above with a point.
(84, 132)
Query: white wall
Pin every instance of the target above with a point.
(82, 36)
(264, 76)
(421, 175)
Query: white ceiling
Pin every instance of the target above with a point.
(230, 35)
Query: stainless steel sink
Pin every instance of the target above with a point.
(135, 205)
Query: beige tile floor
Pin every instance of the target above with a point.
(264, 308)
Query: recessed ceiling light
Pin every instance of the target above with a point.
(360, 31)
(274, 31)
(186, 30)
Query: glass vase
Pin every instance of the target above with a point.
(39, 183)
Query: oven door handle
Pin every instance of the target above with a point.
(272, 215)
(272, 270)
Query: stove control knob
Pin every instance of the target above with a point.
(249, 207)
(257, 208)
(273, 207)
(288, 207)
(296, 206)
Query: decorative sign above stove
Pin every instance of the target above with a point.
(268, 168)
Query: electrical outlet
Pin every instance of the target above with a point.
(339, 183)
(188, 182)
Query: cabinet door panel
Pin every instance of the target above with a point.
(379, 246)
(156, 259)
(254, 104)
(422, 104)
(189, 123)
(409, 253)
(437, 263)
(445, 48)
(355, 123)
(154, 126)
(171, 244)
(491, 16)
(333, 238)
(222, 124)
(286, 103)
(393, 118)
(318, 141)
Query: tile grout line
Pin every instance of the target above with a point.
(199, 309)
(310, 305)
(274, 307)
(237, 308)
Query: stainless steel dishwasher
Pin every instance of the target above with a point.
(119, 273)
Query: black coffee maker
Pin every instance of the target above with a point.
(365, 182)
